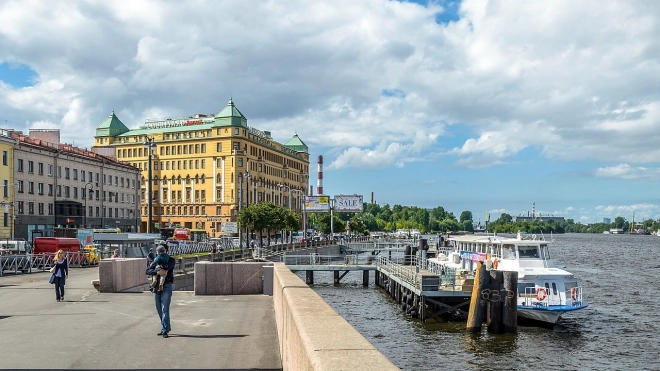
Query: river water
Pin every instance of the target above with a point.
(618, 331)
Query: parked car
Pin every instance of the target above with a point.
(92, 254)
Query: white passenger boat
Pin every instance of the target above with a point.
(545, 291)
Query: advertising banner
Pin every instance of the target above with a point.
(351, 204)
(229, 227)
(317, 204)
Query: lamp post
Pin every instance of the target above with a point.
(240, 205)
(302, 194)
(283, 186)
(150, 146)
(332, 218)
(86, 197)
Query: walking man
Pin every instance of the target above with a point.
(163, 299)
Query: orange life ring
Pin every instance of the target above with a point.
(495, 263)
(540, 294)
(574, 293)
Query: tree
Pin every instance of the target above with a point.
(466, 215)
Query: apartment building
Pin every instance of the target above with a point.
(57, 185)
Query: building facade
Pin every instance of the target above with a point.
(56, 185)
(7, 179)
(204, 168)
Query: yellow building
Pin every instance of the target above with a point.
(7, 145)
(204, 165)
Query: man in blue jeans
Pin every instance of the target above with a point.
(163, 299)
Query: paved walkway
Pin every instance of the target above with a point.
(92, 330)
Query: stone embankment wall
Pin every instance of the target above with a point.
(313, 336)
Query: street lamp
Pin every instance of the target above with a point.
(302, 195)
(87, 194)
(240, 205)
(150, 146)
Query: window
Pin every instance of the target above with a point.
(50, 170)
(31, 187)
(50, 209)
(5, 156)
(59, 171)
(20, 186)
(66, 173)
(240, 162)
(30, 207)
(235, 131)
(40, 168)
(75, 174)
(40, 188)
(50, 189)
(21, 207)
(75, 192)
(203, 164)
(5, 186)
(5, 219)
(41, 208)
(116, 181)
(67, 190)
(218, 147)
(19, 165)
(82, 175)
(203, 148)
(59, 191)
(30, 167)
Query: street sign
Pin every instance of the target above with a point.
(229, 227)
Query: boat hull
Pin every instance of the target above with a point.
(547, 315)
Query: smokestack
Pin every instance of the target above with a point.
(319, 179)
(372, 197)
(533, 210)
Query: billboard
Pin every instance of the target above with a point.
(317, 204)
(351, 204)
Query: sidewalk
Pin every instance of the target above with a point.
(91, 330)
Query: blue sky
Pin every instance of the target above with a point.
(471, 105)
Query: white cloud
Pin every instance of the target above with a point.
(625, 171)
(376, 81)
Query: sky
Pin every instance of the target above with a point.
(477, 105)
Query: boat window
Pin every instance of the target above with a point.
(528, 252)
(547, 287)
(508, 252)
(554, 288)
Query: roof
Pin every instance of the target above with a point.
(231, 115)
(112, 126)
(297, 144)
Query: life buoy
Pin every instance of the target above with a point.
(574, 293)
(495, 263)
(540, 294)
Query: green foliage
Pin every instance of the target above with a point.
(266, 216)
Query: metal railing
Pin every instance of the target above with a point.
(542, 296)
(406, 273)
(318, 260)
(27, 263)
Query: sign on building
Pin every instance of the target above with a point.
(351, 204)
(317, 204)
(229, 227)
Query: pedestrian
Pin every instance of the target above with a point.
(151, 256)
(60, 272)
(115, 254)
(163, 298)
